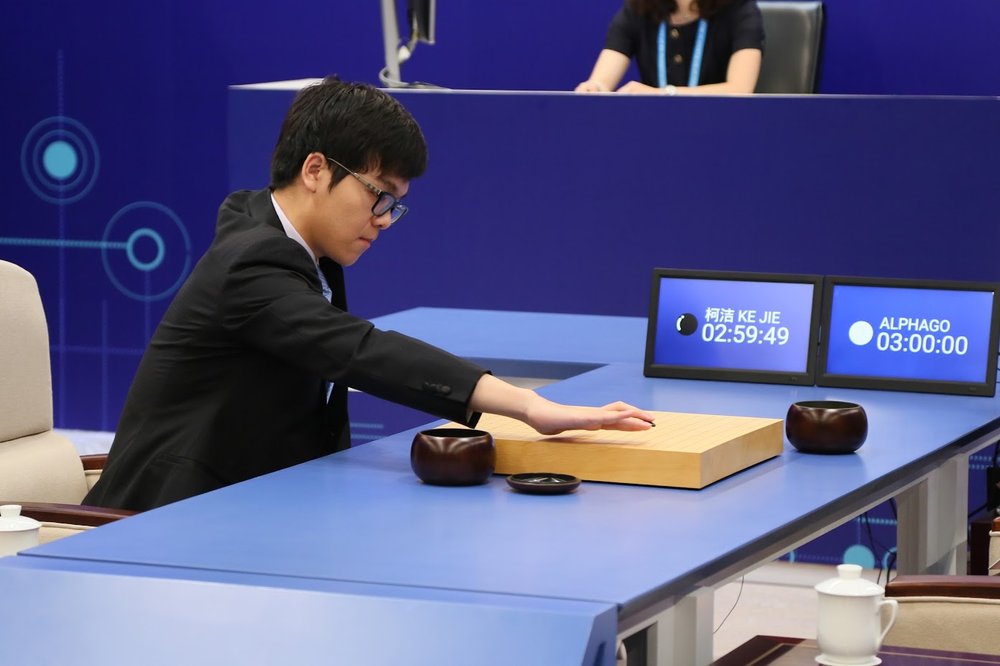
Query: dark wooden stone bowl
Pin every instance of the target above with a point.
(826, 426)
(453, 456)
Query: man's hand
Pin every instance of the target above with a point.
(550, 418)
(495, 396)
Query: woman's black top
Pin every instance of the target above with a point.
(738, 26)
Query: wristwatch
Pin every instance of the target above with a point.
(669, 89)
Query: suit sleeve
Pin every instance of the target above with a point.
(272, 302)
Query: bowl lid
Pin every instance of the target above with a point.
(543, 483)
(11, 519)
(849, 583)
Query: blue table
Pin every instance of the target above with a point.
(655, 554)
(524, 336)
(89, 613)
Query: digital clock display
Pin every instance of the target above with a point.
(909, 335)
(733, 326)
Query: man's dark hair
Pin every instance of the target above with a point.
(356, 124)
(660, 10)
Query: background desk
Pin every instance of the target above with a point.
(654, 553)
(557, 202)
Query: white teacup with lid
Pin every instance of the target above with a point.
(17, 532)
(851, 626)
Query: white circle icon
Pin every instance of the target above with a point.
(861, 333)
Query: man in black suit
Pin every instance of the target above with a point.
(248, 371)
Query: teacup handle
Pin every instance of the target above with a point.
(894, 605)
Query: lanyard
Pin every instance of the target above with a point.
(699, 51)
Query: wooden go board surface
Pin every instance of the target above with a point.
(683, 450)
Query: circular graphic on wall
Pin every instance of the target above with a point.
(59, 159)
(861, 555)
(146, 251)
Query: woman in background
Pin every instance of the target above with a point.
(682, 47)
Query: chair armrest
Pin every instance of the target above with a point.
(75, 514)
(968, 587)
(94, 461)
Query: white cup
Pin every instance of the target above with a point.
(852, 624)
(17, 532)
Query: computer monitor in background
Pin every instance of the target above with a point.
(422, 25)
(421, 16)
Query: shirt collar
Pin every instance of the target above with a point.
(290, 231)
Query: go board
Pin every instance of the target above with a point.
(683, 450)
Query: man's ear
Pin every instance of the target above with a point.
(312, 171)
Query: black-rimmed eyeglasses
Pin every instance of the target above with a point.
(384, 202)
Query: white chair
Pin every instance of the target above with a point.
(958, 613)
(39, 468)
